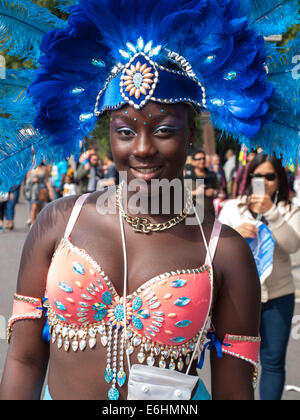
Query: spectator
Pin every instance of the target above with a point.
(229, 169)
(10, 207)
(70, 187)
(38, 190)
(278, 290)
(3, 201)
(58, 173)
(239, 183)
(111, 174)
(217, 168)
(210, 188)
(88, 174)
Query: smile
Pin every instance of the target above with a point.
(146, 174)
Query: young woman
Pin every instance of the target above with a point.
(163, 144)
(278, 291)
(136, 290)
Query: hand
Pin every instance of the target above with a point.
(87, 166)
(260, 204)
(200, 190)
(247, 230)
(11, 196)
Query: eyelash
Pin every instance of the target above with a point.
(167, 128)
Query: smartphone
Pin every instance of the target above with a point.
(258, 186)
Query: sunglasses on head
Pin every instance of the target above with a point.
(269, 177)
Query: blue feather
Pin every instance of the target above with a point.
(269, 17)
(65, 5)
(23, 26)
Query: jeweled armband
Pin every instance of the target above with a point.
(245, 348)
(24, 308)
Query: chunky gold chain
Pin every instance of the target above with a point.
(144, 225)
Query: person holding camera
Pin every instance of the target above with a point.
(282, 218)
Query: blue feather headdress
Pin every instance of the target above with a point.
(209, 53)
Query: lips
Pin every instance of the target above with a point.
(146, 173)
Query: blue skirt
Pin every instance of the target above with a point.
(200, 395)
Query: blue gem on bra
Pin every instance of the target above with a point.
(78, 268)
(178, 283)
(178, 339)
(65, 287)
(182, 301)
(137, 304)
(137, 323)
(60, 305)
(107, 298)
(143, 313)
(183, 324)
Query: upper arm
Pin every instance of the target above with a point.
(236, 311)
(28, 353)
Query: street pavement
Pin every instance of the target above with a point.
(11, 244)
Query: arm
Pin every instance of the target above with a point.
(236, 311)
(27, 358)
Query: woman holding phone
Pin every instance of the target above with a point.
(274, 209)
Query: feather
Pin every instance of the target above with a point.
(23, 26)
(269, 17)
(65, 5)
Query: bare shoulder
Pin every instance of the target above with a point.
(235, 260)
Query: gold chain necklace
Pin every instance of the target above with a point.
(144, 225)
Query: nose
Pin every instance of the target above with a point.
(144, 146)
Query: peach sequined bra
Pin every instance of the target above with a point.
(167, 317)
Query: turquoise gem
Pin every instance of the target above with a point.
(85, 117)
(121, 378)
(178, 339)
(65, 287)
(60, 305)
(183, 301)
(143, 313)
(100, 315)
(107, 298)
(210, 59)
(98, 63)
(108, 375)
(137, 303)
(231, 75)
(184, 323)
(78, 268)
(119, 312)
(178, 283)
(98, 306)
(137, 323)
(113, 394)
(217, 102)
(77, 91)
(61, 318)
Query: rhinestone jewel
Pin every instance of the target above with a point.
(77, 91)
(60, 305)
(82, 345)
(136, 341)
(231, 75)
(143, 313)
(108, 375)
(137, 80)
(137, 303)
(113, 394)
(137, 323)
(177, 339)
(78, 268)
(92, 342)
(104, 340)
(178, 283)
(141, 357)
(65, 287)
(75, 346)
(107, 298)
(100, 315)
(182, 301)
(121, 378)
(150, 361)
(162, 364)
(98, 63)
(184, 323)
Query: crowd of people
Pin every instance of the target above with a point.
(222, 182)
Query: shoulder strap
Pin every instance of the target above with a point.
(75, 213)
(213, 241)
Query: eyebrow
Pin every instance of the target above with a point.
(154, 118)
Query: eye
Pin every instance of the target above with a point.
(125, 132)
(165, 129)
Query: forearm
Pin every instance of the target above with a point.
(22, 380)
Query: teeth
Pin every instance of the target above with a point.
(147, 171)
